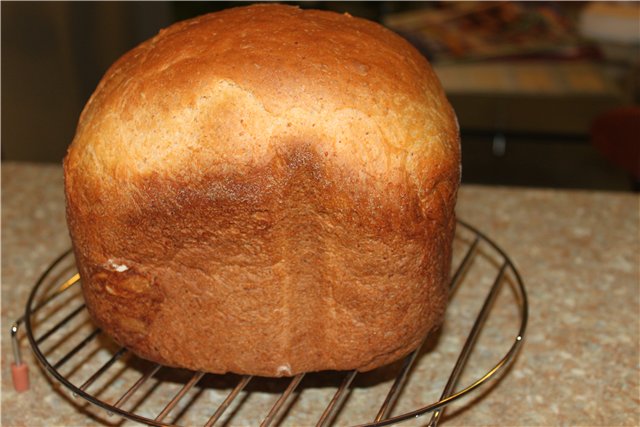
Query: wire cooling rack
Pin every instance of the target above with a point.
(94, 368)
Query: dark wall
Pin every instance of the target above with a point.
(53, 55)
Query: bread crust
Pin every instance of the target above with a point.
(266, 191)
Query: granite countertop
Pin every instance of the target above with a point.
(577, 252)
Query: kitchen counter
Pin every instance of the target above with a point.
(576, 251)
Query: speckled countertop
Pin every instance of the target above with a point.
(577, 251)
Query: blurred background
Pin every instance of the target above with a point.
(546, 93)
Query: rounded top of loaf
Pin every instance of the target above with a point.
(230, 90)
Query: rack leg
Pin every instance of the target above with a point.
(20, 376)
(19, 370)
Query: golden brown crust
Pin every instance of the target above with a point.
(266, 190)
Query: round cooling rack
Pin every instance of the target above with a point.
(76, 354)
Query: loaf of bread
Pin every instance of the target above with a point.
(266, 190)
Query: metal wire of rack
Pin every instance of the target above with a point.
(52, 284)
